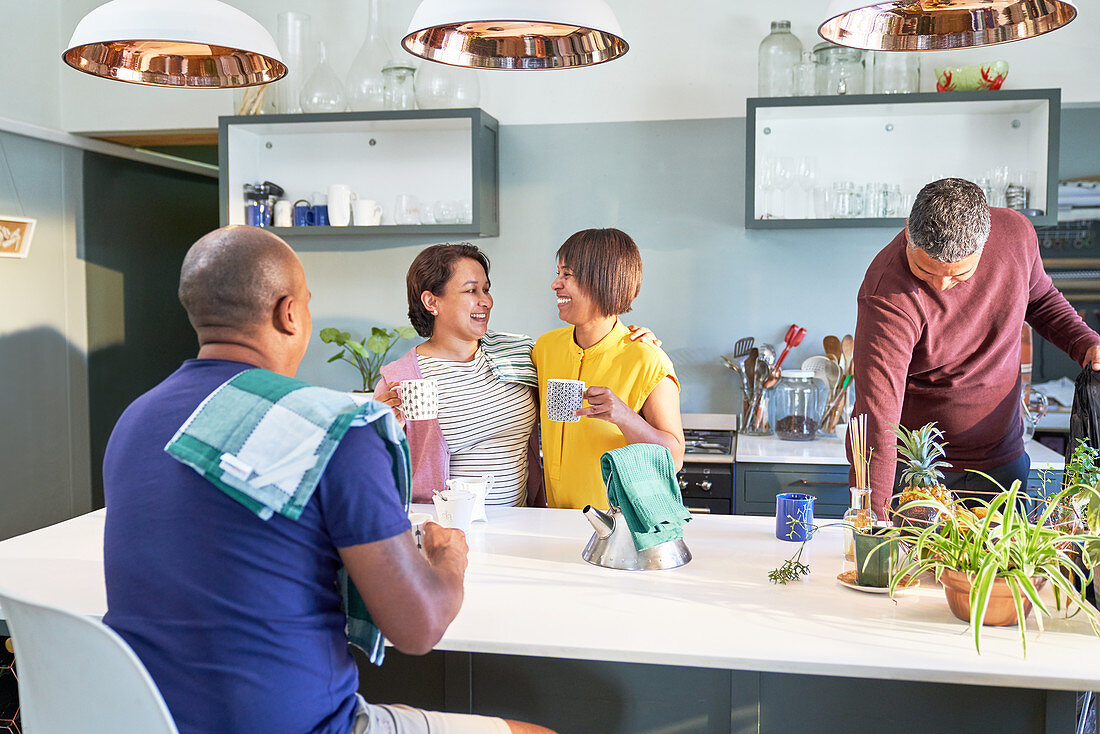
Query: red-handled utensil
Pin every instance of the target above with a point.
(794, 337)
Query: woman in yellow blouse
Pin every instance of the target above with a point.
(632, 392)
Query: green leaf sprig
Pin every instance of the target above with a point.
(369, 354)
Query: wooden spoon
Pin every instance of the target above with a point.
(848, 349)
(832, 348)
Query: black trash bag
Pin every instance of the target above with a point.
(1084, 419)
(1084, 423)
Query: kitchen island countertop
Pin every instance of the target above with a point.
(719, 611)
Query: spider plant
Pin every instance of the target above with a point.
(1006, 547)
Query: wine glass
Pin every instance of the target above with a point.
(766, 177)
(784, 177)
(807, 176)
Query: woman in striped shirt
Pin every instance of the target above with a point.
(486, 383)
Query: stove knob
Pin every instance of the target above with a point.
(683, 483)
(705, 485)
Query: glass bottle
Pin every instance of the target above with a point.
(365, 83)
(859, 515)
(323, 91)
(805, 76)
(294, 46)
(779, 54)
(439, 86)
(399, 92)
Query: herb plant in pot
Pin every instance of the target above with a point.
(366, 355)
(993, 561)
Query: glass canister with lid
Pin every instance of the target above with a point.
(840, 69)
(797, 404)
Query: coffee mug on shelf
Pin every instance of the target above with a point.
(419, 399)
(366, 213)
(283, 213)
(562, 398)
(340, 197)
(318, 216)
(299, 217)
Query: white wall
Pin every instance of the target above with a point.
(687, 60)
(30, 87)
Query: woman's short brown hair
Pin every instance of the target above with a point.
(430, 271)
(607, 265)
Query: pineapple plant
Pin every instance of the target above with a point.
(920, 451)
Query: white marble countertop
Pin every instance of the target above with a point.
(829, 450)
(529, 593)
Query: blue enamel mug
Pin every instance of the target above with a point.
(318, 215)
(794, 516)
(299, 215)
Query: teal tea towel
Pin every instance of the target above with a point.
(509, 357)
(641, 481)
(265, 439)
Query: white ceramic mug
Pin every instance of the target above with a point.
(282, 213)
(562, 398)
(419, 399)
(340, 197)
(455, 508)
(366, 212)
(480, 489)
(417, 519)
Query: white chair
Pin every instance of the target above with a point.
(77, 675)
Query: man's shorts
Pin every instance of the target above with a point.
(384, 719)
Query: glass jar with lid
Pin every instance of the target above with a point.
(797, 403)
(779, 54)
(399, 92)
(840, 69)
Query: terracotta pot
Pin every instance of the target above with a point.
(1001, 610)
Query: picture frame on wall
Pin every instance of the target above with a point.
(15, 235)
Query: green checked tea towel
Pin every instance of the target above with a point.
(509, 357)
(265, 439)
(641, 481)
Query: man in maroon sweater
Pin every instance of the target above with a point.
(938, 335)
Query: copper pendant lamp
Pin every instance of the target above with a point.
(515, 34)
(931, 25)
(202, 44)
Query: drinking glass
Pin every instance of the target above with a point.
(406, 210)
(784, 177)
(766, 176)
(807, 176)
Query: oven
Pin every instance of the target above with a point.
(706, 481)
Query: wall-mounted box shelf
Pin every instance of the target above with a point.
(435, 155)
(897, 139)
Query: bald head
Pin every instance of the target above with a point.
(233, 278)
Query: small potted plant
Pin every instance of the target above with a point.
(366, 355)
(1082, 482)
(993, 560)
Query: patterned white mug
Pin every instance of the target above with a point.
(562, 398)
(419, 399)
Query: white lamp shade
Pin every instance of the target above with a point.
(190, 43)
(515, 34)
(931, 25)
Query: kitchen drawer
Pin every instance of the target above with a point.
(708, 506)
(706, 481)
(758, 484)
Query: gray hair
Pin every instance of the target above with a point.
(950, 220)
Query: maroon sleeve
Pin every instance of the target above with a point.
(1051, 315)
(885, 338)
